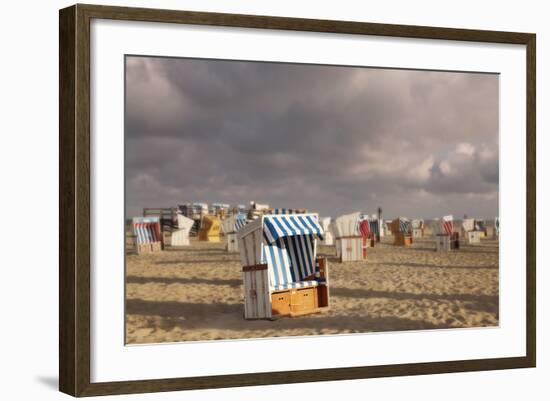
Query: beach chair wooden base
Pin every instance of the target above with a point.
(401, 239)
(474, 237)
(352, 248)
(299, 301)
(446, 242)
(148, 248)
(262, 303)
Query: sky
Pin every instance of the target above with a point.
(331, 139)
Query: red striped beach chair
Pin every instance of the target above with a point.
(148, 236)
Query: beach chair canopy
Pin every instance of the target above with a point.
(346, 225)
(146, 229)
(447, 225)
(279, 226)
(290, 250)
(417, 224)
(401, 224)
(468, 224)
(364, 227)
(184, 223)
(234, 223)
(479, 225)
(210, 223)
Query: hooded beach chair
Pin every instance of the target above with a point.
(230, 226)
(180, 233)
(481, 227)
(402, 231)
(497, 227)
(148, 235)
(328, 239)
(470, 231)
(282, 274)
(374, 226)
(210, 229)
(366, 231)
(351, 244)
(417, 227)
(446, 238)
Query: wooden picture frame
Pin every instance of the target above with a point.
(74, 203)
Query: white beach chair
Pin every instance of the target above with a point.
(282, 274)
(328, 239)
(180, 235)
(230, 227)
(417, 228)
(351, 245)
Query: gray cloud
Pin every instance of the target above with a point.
(331, 139)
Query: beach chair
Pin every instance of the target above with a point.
(402, 231)
(417, 227)
(366, 232)
(481, 227)
(230, 227)
(148, 236)
(210, 229)
(374, 226)
(180, 234)
(328, 238)
(447, 239)
(282, 274)
(470, 231)
(351, 245)
(497, 228)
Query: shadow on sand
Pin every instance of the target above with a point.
(221, 316)
(177, 280)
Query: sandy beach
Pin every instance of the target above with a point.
(195, 293)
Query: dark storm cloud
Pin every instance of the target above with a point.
(331, 139)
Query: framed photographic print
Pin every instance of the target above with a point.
(250, 200)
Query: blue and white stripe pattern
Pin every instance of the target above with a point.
(277, 226)
(290, 250)
(240, 221)
(404, 225)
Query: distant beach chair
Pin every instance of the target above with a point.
(351, 244)
(497, 228)
(230, 227)
(470, 231)
(210, 229)
(374, 226)
(282, 274)
(402, 231)
(148, 236)
(328, 237)
(417, 227)
(447, 239)
(180, 233)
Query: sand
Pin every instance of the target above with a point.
(195, 293)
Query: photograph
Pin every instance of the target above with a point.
(275, 199)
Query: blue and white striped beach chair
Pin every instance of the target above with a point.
(281, 272)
